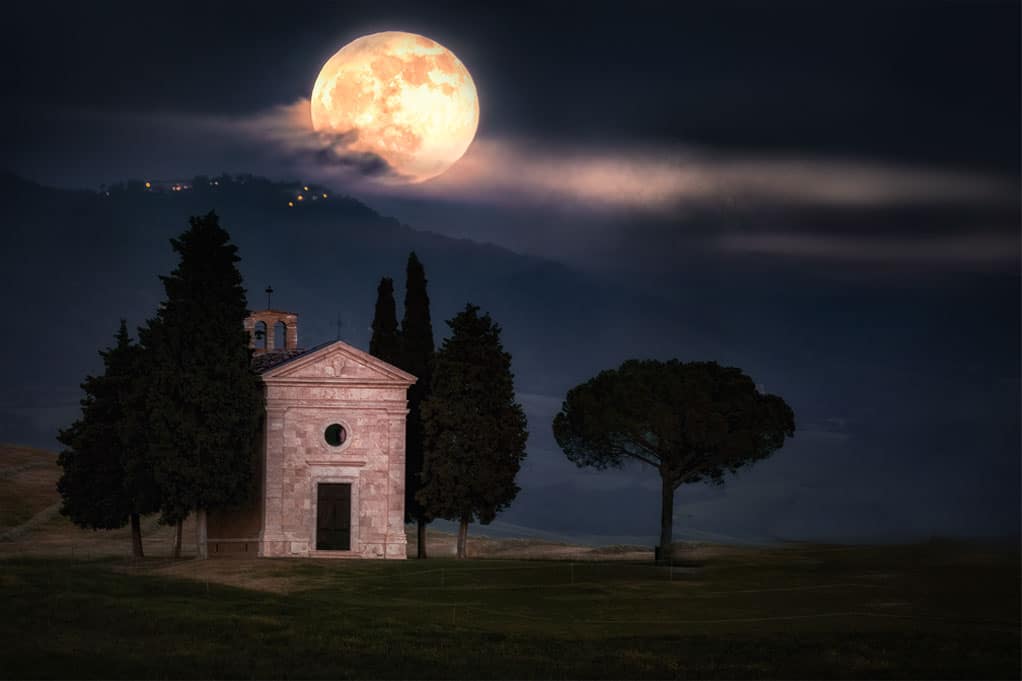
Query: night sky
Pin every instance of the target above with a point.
(826, 194)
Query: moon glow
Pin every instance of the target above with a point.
(400, 96)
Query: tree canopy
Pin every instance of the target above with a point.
(386, 339)
(205, 404)
(691, 421)
(107, 477)
(474, 432)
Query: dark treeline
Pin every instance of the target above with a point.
(466, 435)
(173, 422)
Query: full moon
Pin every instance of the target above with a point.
(400, 96)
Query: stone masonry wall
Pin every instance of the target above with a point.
(373, 412)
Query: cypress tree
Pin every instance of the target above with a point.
(205, 403)
(417, 348)
(474, 432)
(386, 340)
(107, 479)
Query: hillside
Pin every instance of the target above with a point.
(28, 479)
(77, 261)
(30, 520)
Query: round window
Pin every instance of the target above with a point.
(335, 435)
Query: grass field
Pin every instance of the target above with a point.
(75, 605)
(935, 610)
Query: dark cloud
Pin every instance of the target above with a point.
(288, 132)
(364, 163)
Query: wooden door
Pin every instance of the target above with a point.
(333, 517)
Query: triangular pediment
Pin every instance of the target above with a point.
(342, 363)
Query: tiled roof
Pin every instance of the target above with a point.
(263, 362)
(269, 360)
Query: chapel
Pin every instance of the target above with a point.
(331, 466)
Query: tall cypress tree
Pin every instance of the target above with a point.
(205, 403)
(474, 432)
(386, 340)
(107, 478)
(417, 348)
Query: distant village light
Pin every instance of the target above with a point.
(324, 196)
(290, 204)
(147, 185)
(301, 198)
(306, 189)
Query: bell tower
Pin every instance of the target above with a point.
(272, 330)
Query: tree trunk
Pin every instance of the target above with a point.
(136, 536)
(462, 537)
(663, 552)
(200, 531)
(177, 538)
(421, 552)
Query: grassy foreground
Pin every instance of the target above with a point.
(936, 610)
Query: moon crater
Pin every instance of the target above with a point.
(400, 96)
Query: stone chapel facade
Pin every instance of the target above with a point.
(331, 470)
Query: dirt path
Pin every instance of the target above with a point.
(11, 471)
(38, 520)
